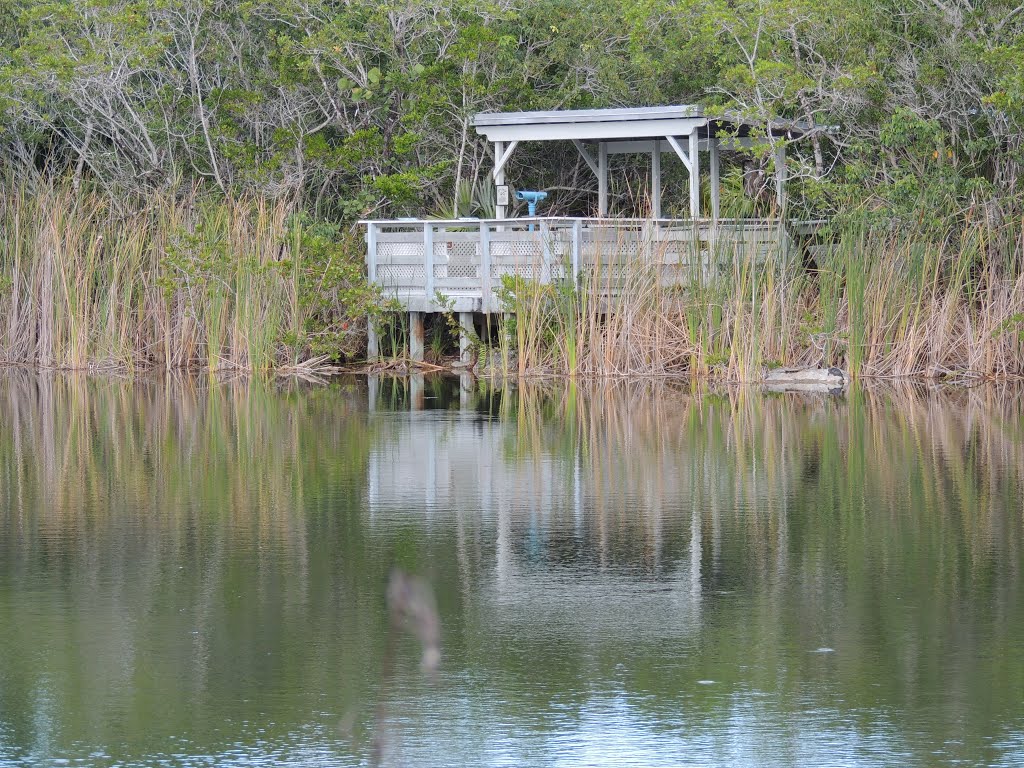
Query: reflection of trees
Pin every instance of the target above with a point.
(172, 548)
(157, 544)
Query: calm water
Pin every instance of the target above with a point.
(194, 574)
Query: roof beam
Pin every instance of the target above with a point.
(588, 115)
(644, 146)
(595, 131)
(619, 123)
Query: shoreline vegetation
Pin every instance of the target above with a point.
(180, 181)
(189, 281)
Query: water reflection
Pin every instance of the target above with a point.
(192, 572)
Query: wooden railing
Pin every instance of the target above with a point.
(465, 260)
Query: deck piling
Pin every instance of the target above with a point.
(465, 336)
(372, 341)
(416, 338)
(417, 395)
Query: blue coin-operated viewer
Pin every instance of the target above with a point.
(531, 198)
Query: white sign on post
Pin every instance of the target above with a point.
(503, 194)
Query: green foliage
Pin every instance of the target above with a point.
(341, 111)
(455, 330)
(365, 108)
(333, 298)
(1012, 325)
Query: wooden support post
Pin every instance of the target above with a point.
(545, 250)
(577, 241)
(780, 177)
(465, 335)
(694, 175)
(715, 173)
(428, 259)
(696, 553)
(602, 179)
(656, 180)
(465, 391)
(371, 253)
(715, 170)
(417, 399)
(499, 176)
(416, 338)
(373, 388)
(372, 341)
(485, 266)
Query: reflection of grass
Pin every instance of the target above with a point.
(170, 528)
(886, 524)
(952, 460)
(247, 449)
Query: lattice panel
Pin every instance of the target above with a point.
(629, 248)
(614, 252)
(459, 250)
(517, 249)
(400, 275)
(530, 271)
(460, 269)
(456, 259)
(401, 251)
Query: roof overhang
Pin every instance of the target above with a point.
(624, 124)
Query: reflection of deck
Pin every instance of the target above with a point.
(465, 260)
(562, 550)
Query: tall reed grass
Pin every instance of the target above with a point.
(179, 282)
(876, 302)
(182, 281)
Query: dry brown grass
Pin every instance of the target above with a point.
(179, 283)
(186, 283)
(879, 304)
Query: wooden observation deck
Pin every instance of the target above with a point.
(432, 266)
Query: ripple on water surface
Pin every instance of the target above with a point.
(194, 574)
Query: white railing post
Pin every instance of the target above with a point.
(545, 250)
(372, 341)
(428, 259)
(485, 265)
(577, 238)
(371, 252)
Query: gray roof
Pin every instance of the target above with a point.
(554, 116)
(622, 123)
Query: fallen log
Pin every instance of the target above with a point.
(806, 379)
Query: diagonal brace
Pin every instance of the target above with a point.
(679, 151)
(586, 156)
(499, 162)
